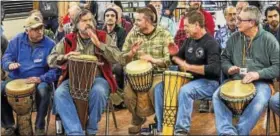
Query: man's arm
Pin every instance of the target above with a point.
(57, 56)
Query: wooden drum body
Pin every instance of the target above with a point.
(139, 74)
(20, 96)
(173, 81)
(82, 70)
(237, 95)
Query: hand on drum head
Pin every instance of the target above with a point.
(250, 77)
(147, 57)
(31, 80)
(173, 49)
(14, 66)
(233, 70)
(183, 65)
(71, 53)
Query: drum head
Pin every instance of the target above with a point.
(236, 89)
(19, 87)
(83, 57)
(138, 66)
(182, 74)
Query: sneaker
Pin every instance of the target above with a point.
(136, 128)
(9, 131)
(204, 106)
(39, 132)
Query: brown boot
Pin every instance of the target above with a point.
(137, 127)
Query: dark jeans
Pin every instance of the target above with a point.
(119, 73)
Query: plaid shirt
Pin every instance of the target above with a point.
(155, 45)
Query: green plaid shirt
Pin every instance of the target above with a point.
(155, 45)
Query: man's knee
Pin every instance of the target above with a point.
(274, 100)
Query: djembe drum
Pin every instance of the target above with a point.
(237, 95)
(82, 70)
(20, 96)
(173, 81)
(139, 74)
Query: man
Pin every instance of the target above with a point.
(253, 50)
(68, 27)
(121, 19)
(209, 22)
(241, 5)
(118, 36)
(226, 31)
(199, 56)
(47, 32)
(26, 57)
(165, 22)
(85, 39)
(154, 48)
(272, 15)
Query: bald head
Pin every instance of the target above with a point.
(241, 5)
(73, 11)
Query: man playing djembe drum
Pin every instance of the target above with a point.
(87, 41)
(154, 48)
(199, 56)
(251, 55)
(26, 58)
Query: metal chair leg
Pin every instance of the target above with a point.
(49, 109)
(268, 121)
(275, 121)
(107, 117)
(113, 114)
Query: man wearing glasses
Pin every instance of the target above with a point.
(26, 58)
(256, 52)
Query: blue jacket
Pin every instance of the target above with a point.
(31, 63)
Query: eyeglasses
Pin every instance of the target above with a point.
(243, 20)
(112, 15)
(38, 28)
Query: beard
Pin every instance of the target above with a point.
(274, 23)
(194, 7)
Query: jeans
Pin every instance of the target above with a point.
(43, 94)
(274, 103)
(249, 117)
(65, 107)
(118, 71)
(196, 89)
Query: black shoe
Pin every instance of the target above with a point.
(9, 131)
(204, 106)
(181, 133)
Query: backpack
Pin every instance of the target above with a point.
(48, 8)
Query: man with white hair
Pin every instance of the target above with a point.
(68, 27)
(252, 56)
(226, 31)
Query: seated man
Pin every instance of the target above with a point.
(26, 57)
(84, 39)
(154, 48)
(200, 56)
(256, 52)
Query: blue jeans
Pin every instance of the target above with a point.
(65, 107)
(274, 103)
(196, 89)
(43, 94)
(249, 117)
